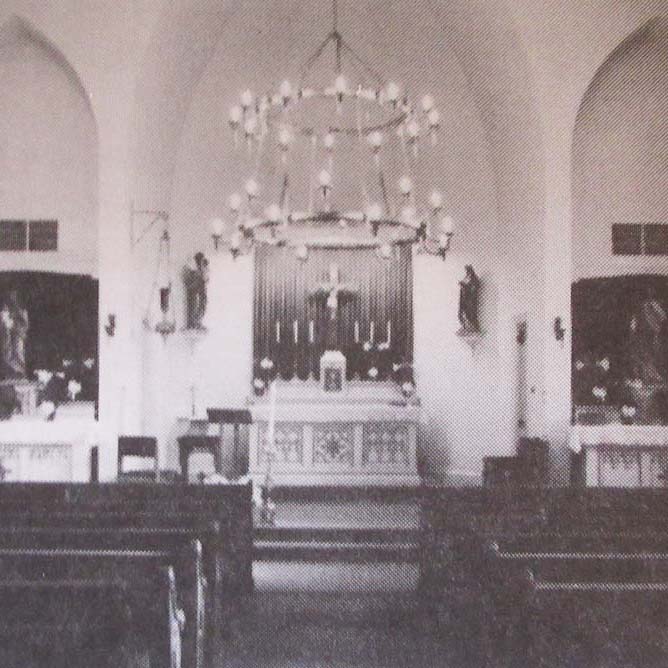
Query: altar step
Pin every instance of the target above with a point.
(362, 494)
(337, 545)
(339, 540)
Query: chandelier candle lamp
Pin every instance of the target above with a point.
(315, 128)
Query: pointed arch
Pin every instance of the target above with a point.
(17, 28)
(619, 142)
(50, 157)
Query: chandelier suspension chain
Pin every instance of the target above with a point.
(363, 186)
(314, 141)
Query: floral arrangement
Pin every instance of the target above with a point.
(265, 372)
(596, 382)
(593, 382)
(402, 374)
(67, 382)
(374, 360)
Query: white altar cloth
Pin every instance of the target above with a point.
(33, 450)
(621, 435)
(617, 455)
(365, 435)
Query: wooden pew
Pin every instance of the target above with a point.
(510, 566)
(66, 594)
(225, 511)
(556, 595)
(149, 516)
(74, 532)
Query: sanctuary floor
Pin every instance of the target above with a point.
(329, 610)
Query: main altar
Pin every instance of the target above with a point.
(367, 434)
(334, 400)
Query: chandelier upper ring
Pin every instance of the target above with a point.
(277, 113)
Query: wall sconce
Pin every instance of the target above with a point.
(110, 326)
(521, 337)
(559, 330)
(217, 230)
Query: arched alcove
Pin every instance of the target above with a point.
(49, 187)
(620, 143)
(48, 164)
(620, 216)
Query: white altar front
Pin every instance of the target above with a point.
(364, 435)
(34, 450)
(616, 455)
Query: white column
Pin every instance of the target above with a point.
(557, 300)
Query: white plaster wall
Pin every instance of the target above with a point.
(103, 43)
(461, 424)
(48, 159)
(620, 147)
(188, 372)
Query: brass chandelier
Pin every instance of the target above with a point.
(313, 123)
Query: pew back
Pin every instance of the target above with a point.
(143, 506)
(64, 592)
(529, 562)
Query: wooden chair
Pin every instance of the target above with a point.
(198, 443)
(138, 446)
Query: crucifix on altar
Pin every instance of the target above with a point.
(335, 292)
(333, 361)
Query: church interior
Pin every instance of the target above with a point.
(333, 333)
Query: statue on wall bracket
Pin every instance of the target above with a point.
(469, 297)
(195, 281)
(13, 334)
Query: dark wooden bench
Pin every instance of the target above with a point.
(75, 534)
(219, 515)
(557, 593)
(160, 517)
(559, 575)
(57, 598)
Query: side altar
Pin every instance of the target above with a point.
(617, 455)
(366, 434)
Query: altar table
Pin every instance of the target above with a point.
(365, 435)
(617, 455)
(33, 450)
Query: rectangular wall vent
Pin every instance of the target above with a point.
(640, 239)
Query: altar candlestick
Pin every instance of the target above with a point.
(371, 331)
(389, 332)
(357, 331)
(271, 427)
(295, 330)
(278, 332)
(311, 332)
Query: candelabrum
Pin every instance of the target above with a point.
(316, 121)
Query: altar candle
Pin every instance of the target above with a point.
(357, 331)
(271, 427)
(389, 332)
(371, 331)
(278, 332)
(311, 332)
(295, 330)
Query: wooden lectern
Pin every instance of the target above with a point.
(229, 457)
